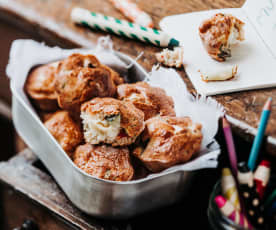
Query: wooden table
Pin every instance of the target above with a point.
(49, 20)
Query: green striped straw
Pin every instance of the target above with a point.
(122, 28)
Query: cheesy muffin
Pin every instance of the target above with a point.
(111, 121)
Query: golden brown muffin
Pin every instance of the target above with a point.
(111, 121)
(171, 140)
(76, 60)
(104, 162)
(80, 78)
(65, 130)
(40, 87)
(218, 34)
(83, 84)
(151, 100)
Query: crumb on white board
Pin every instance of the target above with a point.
(171, 58)
(226, 73)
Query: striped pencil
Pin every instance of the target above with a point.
(260, 134)
(122, 28)
(230, 145)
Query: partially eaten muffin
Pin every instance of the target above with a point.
(111, 121)
(219, 33)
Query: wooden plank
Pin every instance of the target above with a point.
(41, 188)
(51, 20)
(13, 217)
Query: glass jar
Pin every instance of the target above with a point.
(216, 219)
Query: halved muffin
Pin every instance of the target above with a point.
(111, 121)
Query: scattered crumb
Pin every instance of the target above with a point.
(171, 58)
(227, 73)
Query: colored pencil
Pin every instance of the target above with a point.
(260, 134)
(230, 145)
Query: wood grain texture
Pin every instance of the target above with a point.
(50, 20)
(41, 188)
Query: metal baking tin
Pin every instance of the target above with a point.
(98, 197)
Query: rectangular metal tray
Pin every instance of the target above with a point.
(106, 199)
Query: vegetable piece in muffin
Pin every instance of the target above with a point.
(111, 121)
(40, 87)
(171, 140)
(219, 33)
(152, 101)
(104, 162)
(83, 84)
(65, 130)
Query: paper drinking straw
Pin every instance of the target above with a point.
(121, 27)
(230, 212)
(133, 12)
(261, 177)
(230, 145)
(260, 134)
(229, 188)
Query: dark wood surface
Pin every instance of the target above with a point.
(49, 20)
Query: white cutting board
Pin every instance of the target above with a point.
(255, 57)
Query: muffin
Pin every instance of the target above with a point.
(65, 130)
(153, 101)
(111, 121)
(170, 141)
(219, 33)
(104, 162)
(40, 87)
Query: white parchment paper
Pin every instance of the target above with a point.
(25, 54)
